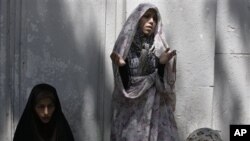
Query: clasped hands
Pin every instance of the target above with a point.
(164, 57)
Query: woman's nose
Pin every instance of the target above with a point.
(151, 20)
(46, 112)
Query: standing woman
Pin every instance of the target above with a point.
(43, 119)
(144, 72)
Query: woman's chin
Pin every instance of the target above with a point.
(147, 32)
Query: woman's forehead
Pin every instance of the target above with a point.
(151, 11)
(44, 94)
(45, 100)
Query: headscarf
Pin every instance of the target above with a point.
(126, 36)
(31, 128)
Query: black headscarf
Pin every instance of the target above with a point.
(31, 128)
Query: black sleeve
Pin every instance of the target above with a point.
(63, 129)
(124, 72)
(160, 69)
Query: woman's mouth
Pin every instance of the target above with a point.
(149, 27)
(45, 119)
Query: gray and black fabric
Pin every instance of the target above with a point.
(144, 109)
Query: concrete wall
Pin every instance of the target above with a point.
(59, 42)
(67, 43)
(232, 65)
(5, 74)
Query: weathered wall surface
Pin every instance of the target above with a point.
(57, 42)
(5, 74)
(232, 65)
(61, 45)
(67, 43)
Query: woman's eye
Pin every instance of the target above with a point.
(51, 105)
(40, 106)
(155, 18)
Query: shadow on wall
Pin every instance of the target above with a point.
(63, 48)
(240, 11)
(227, 105)
(83, 89)
(228, 92)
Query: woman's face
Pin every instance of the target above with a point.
(148, 22)
(44, 109)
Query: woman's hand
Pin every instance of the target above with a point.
(117, 59)
(167, 55)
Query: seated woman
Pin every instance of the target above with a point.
(43, 119)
